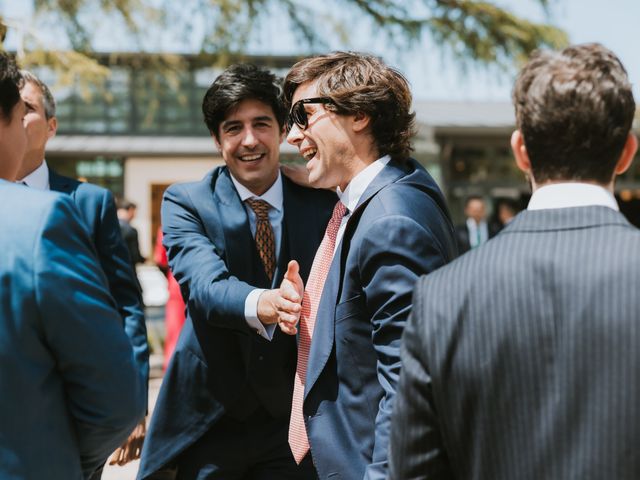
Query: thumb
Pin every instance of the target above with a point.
(292, 271)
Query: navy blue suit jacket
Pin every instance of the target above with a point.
(400, 230)
(70, 392)
(220, 365)
(98, 211)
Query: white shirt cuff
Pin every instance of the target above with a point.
(251, 315)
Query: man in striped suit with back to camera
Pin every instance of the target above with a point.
(520, 359)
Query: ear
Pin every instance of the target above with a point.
(520, 152)
(628, 153)
(52, 127)
(283, 134)
(360, 122)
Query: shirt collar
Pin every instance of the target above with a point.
(39, 178)
(273, 196)
(564, 195)
(358, 184)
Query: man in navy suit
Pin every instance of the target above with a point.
(223, 409)
(351, 120)
(71, 391)
(98, 212)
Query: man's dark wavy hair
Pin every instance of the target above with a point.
(240, 82)
(574, 109)
(10, 84)
(361, 83)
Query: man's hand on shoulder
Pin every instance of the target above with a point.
(298, 174)
(283, 305)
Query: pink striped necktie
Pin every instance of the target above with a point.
(298, 440)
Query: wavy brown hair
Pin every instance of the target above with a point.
(574, 109)
(361, 83)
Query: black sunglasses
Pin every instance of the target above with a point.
(298, 114)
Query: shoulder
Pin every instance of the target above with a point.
(205, 185)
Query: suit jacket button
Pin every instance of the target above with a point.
(260, 358)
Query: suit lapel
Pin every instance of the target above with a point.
(232, 217)
(324, 330)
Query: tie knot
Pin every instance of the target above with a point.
(260, 208)
(338, 212)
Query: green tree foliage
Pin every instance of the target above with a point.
(476, 31)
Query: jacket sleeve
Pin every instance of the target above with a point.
(396, 251)
(113, 256)
(416, 450)
(104, 390)
(197, 264)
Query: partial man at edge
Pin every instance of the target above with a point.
(71, 390)
(97, 209)
(520, 359)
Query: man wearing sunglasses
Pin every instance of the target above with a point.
(351, 121)
(224, 406)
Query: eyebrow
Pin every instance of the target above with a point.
(263, 118)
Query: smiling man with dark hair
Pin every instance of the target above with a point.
(223, 409)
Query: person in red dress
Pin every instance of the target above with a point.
(174, 309)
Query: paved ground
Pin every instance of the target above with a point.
(129, 471)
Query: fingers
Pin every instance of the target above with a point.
(288, 328)
(293, 271)
(131, 449)
(289, 296)
(117, 457)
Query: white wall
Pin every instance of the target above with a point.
(141, 172)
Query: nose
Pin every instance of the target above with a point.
(249, 140)
(295, 136)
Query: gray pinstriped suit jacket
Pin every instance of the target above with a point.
(521, 359)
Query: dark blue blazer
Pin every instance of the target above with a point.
(400, 230)
(98, 211)
(220, 365)
(70, 392)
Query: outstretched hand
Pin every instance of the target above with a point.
(283, 305)
(291, 290)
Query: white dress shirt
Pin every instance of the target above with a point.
(274, 198)
(39, 178)
(565, 195)
(356, 187)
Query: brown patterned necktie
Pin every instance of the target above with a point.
(265, 240)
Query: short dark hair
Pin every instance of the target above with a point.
(361, 83)
(471, 198)
(240, 82)
(10, 84)
(124, 204)
(574, 109)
